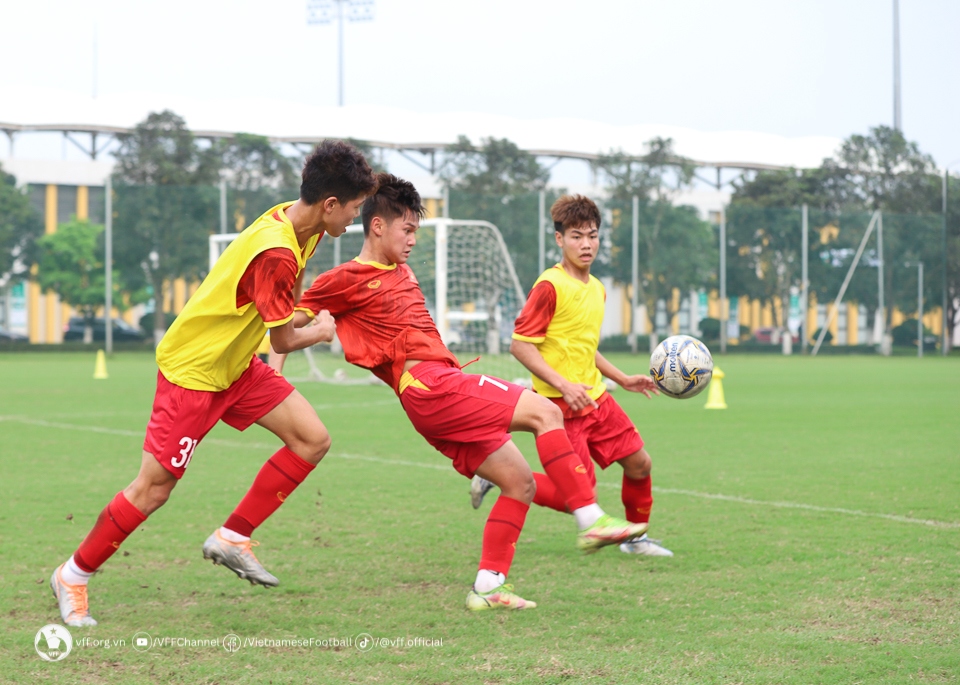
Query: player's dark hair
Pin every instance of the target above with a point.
(336, 169)
(572, 211)
(394, 198)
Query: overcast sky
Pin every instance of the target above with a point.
(789, 67)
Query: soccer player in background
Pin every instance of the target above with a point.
(556, 337)
(209, 372)
(384, 326)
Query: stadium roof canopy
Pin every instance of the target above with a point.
(398, 129)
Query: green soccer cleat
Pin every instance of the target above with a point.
(74, 607)
(501, 597)
(239, 558)
(608, 531)
(478, 488)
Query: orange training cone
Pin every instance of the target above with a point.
(100, 371)
(715, 391)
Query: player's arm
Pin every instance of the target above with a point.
(270, 282)
(308, 310)
(288, 338)
(531, 329)
(637, 383)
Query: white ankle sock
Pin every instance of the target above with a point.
(488, 580)
(71, 574)
(588, 515)
(231, 536)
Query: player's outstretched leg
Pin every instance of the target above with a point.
(479, 487)
(127, 510)
(637, 496)
(507, 469)
(306, 441)
(566, 471)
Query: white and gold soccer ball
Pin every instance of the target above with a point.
(681, 366)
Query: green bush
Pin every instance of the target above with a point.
(146, 321)
(905, 335)
(621, 343)
(826, 339)
(710, 328)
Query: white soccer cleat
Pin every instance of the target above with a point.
(239, 558)
(74, 607)
(646, 546)
(478, 488)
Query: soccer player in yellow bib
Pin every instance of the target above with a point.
(556, 337)
(209, 372)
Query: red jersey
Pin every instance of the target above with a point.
(382, 318)
(268, 282)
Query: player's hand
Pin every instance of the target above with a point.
(640, 383)
(576, 396)
(325, 325)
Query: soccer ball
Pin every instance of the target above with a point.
(681, 366)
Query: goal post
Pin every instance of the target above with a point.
(469, 283)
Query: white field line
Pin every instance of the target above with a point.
(798, 505)
(449, 469)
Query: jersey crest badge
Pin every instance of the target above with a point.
(373, 285)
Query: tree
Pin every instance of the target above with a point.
(676, 249)
(20, 226)
(498, 182)
(166, 205)
(251, 162)
(878, 171)
(71, 264)
(496, 167)
(258, 174)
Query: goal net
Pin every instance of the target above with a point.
(470, 286)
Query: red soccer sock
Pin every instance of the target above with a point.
(637, 497)
(113, 526)
(501, 533)
(565, 469)
(280, 476)
(547, 494)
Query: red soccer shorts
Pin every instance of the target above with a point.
(606, 434)
(181, 417)
(465, 416)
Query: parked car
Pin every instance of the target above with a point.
(765, 335)
(122, 331)
(11, 337)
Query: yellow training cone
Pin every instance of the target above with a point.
(715, 391)
(100, 372)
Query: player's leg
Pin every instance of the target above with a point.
(543, 418)
(547, 495)
(179, 421)
(508, 470)
(306, 441)
(127, 510)
(637, 496)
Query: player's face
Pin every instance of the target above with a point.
(580, 245)
(399, 237)
(342, 215)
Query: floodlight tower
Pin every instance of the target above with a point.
(321, 12)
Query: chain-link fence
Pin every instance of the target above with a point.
(659, 262)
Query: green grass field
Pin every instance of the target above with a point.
(816, 526)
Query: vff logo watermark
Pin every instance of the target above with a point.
(53, 642)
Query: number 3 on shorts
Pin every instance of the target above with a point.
(493, 381)
(186, 454)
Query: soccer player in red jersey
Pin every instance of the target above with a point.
(209, 372)
(556, 337)
(384, 326)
